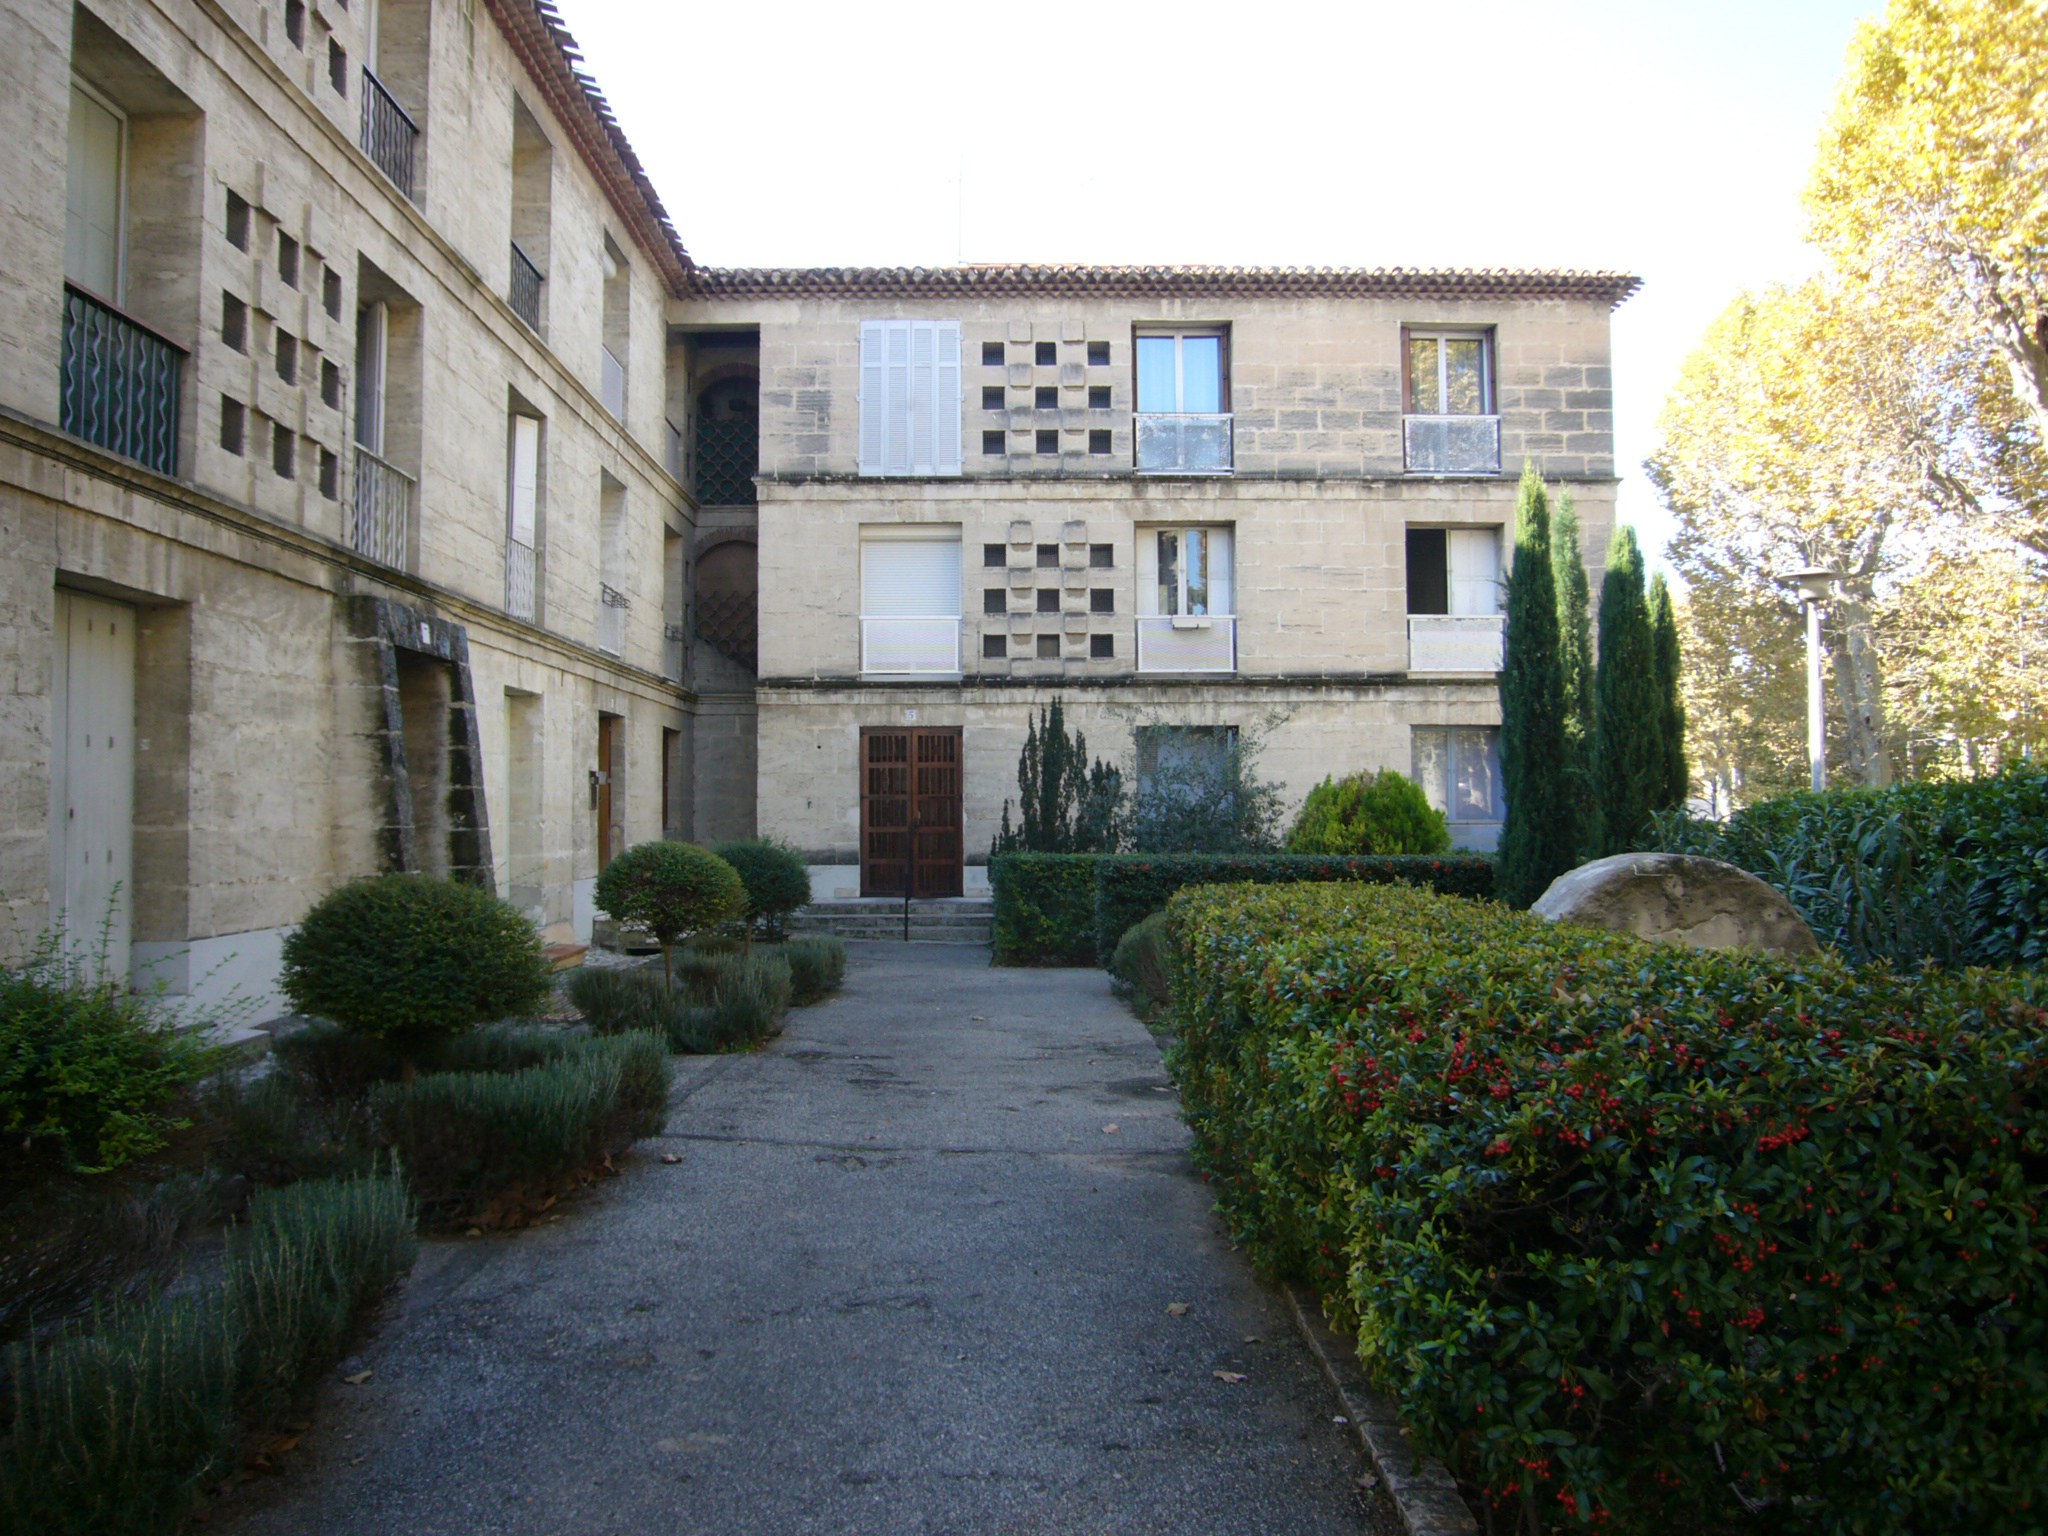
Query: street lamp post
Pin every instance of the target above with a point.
(1813, 584)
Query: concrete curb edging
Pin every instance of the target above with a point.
(1420, 1486)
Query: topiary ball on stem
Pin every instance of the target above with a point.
(777, 879)
(410, 959)
(670, 889)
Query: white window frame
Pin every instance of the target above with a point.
(119, 297)
(1219, 334)
(1450, 734)
(910, 397)
(1488, 404)
(1148, 570)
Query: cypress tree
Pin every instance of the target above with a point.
(1575, 651)
(1627, 714)
(1539, 840)
(1675, 778)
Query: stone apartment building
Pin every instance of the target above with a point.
(383, 487)
(1189, 502)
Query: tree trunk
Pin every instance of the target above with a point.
(1859, 683)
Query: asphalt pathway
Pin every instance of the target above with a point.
(912, 1273)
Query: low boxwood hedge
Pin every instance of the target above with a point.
(1044, 908)
(1645, 1239)
(1131, 886)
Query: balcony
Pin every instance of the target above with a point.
(611, 619)
(1451, 445)
(522, 583)
(1184, 643)
(380, 525)
(911, 647)
(612, 384)
(1461, 643)
(118, 383)
(1179, 444)
(389, 134)
(525, 293)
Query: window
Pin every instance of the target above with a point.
(295, 22)
(337, 67)
(993, 445)
(522, 517)
(1046, 397)
(1185, 571)
(1102, 600)
(612, 578)
(995, 647)
(1458, 768)
(330, 384)
(995, 556)
(1048, 647)
(330, 474)
(1048, 354)
(991, 354)
(330, 292)
(909, 397)
(234, 322)
(372, 333)
(1449, 374)
(282, 444)
(237, 224)
(1102, 647)
(95, 195)
(288, 357)
(992, 397)
(1102, 557)
(1049, 441)
(1454, 571)
(1098, 397)
(234, 418)
(1099, 440)
(1098, 354)
(1186, 762)
(910, 600)
(617, 321)
(287, 259)
(1048, 599)
(1181, 373)
(1048, 557)
(995, 600)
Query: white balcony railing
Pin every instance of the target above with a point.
(1181, 444)
(898, 647)
(1455, 642)
(612, 384)
(522, 568)
(380, 524)
(1451, 445)
(1206, 643)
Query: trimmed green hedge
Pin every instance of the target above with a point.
(1646, 1239)
(1130, 887)
(1045, 907)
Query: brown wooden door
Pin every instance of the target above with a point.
(607, 778)
(910, 809)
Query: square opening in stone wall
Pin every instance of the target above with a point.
(1098, 354)
(991, 354)
(994, 647)
(337, 67)
(283, 446)
(1102, 600)
(995, 600)
(1047, 397)
(238, 221)
(234, 423)
(234, 323)
(330, 384)
(1102, 647)
(288, 357)
(992, 397)
(992, 443)
(1102, 557)
(1048, 354)
(995, 556)
(1098, 397)
(295, 22)
(1049, 441)
(1099, 440)
(1048, 647)
(287, 259)
(330, 292)
(330, 474)
(1048, 557)
(1048, 599)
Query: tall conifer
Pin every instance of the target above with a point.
(1675, 778)
(1627, 715)
(1575, 655)
(1539, 841)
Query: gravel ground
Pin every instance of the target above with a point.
(933, 1262)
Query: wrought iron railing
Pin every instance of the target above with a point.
(727, 453)
(522, 583)
(1451, 445)
(390, 136)
(1455, 642)
(729, 622)
(612, 384)
(118, 383)
(1183, 444)
(907, 646)
(611, 619)
(526, 280)
(381, 522)
(1187, 643)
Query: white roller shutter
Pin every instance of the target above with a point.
(1474, 561)
(910, 578)
(910, 397)
(525, 476)
(92, 197)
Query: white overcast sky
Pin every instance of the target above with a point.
(1669, 138)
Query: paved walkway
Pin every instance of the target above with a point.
(910, 1275)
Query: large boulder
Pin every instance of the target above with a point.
(1675, 898)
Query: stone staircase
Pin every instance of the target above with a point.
(945, 920)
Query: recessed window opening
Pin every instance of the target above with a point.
(234, 323)
(337, 67)
(991, 354)
(1192, 571)
(1048, 600)
(1454, 571)
(992, 397)
(1099, 440)
(1047, 397)
(1102, 600)
(96, 196)
(330, 384)
(295, 22)
(992, 443)
(1048, 354)
(1181, 374)
(1458, 768)
(995, 600)
(1102, 557)
(1449, 374)
(1098, 354)
(234, 418)
(994, 647)
(995, 556)
(330, 292)
(282, 444)
(237, 223)
(1102, 647)
(1048, 647)
(287, 259)
(288, 357)
(1048, 557)
(1098, 397)
(330, 474)
(1049, 442)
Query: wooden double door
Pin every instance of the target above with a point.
(910, 808)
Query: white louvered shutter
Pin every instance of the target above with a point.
(910, 578)
(525, 476)
(1474, 560)
(910, 397)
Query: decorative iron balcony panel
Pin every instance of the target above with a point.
(1181, 643)
(390, 136)
(899, 647)
(729, 622)
(1180, 444)
(525, 295)
(118, 383)
(1455, 642)
(381, 524)
(727, 453)
(522, 585)
(1451, 445)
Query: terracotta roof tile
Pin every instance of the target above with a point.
(1141, 282)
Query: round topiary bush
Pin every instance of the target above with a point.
(777, 879)
(408, 958)
(1384, 814)
(670, 889)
